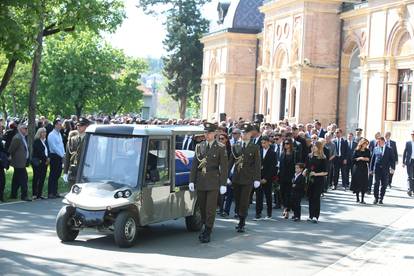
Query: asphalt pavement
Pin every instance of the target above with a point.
(350, 239)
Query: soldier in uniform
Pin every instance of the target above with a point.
(73, 151)
(245, 157)
(208, 176)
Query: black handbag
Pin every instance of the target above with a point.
(35, 162)
(4, 160)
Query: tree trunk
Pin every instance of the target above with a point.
(8, 74)
(14, 103)
(182, 107)
(78, 109)
(4, 109)
(37, 59)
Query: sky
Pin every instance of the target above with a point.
(141, 35)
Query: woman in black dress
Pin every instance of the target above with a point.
(39, 162)
(316, 170)
(360, 161)
(286, 174)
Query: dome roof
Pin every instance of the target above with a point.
(240, 15)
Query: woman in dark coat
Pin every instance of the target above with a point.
(317, 170)
(286, 174)
(360, 161)
(39, 162)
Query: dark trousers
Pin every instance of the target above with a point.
(277, 198)
(241, 198)
(55, 172)
(381, 179)
(19, 180)
(208, 204)
(315, 191)
(285, 192)
(329, 178)
(410, 173)
(390, 179)
(348, 170)
(39, 176)
(296, 199)
(370, 182)
(228, 199)
(339, 166)
(2, 183)
(265, 190)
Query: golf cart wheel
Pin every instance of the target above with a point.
(126, 229)
(194, 222)
(64, 225)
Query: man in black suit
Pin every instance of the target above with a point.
(351, 149)
(188, 143)
(278, 149)
(340, 161)
(408, 162)
(302, 142)
(372, 144)
(321, 132)
(268, 172)
(382, 164)
(256, 135)
(393, 146)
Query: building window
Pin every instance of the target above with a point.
(404, 94)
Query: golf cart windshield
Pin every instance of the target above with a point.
(112, 159)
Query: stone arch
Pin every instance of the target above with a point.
(352, 42)
(213, 69)
(281, 57)
(400, 38)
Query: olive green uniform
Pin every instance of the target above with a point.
(247, 169)
(208, 173)
(72, 156)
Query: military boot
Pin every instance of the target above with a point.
(206, 236)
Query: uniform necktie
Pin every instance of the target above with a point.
(208, 146)
(244, 145)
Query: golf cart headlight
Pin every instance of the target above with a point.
(119, 194)
(76, 189)
(127, 193)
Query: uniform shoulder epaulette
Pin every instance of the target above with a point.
(221, 145)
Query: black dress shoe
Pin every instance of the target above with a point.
(241, 229)
(51, 197)
(380, 202)
(41, 197)
(26, 199)
(206, 235)
(58, 196)
(376, 201)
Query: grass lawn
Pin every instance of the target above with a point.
(62, 188)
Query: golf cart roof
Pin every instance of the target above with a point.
(144, 130)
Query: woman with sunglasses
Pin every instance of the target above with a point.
(286, 174)
(316, 171)
(360, 176)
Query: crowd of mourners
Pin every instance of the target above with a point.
(298, 160)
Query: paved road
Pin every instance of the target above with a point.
(350, 239)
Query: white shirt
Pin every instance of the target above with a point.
(187, 139)
(264, 152)
(278, 147)
(297, 175)
(44, 144)
(55, 142)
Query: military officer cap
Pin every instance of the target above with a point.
(209, 127)
(358, 129)
(83, 122)
(246, 127)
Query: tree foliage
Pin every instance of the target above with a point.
(81, 74)
(184, 59)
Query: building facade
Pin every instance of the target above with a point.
(349, 62)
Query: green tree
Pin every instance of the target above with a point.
(46, 18)
(82, 74)
(184, 60)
